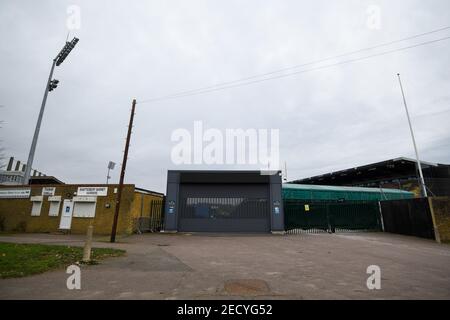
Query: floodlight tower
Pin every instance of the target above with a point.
(423, 187)
(111, 166)
(51, 85)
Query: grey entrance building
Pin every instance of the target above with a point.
(223, 201)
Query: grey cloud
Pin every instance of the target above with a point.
(329, 119)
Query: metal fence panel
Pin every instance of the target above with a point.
(316, 217)
(409, 217)
(155, 221)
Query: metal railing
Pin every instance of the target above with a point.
(319, 217)
(223, 208)
(155, 221)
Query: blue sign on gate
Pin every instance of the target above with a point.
(171, 206)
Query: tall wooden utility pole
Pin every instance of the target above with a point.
(122, 174)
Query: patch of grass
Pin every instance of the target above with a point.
(20, 260)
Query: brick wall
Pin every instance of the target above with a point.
(15, 214)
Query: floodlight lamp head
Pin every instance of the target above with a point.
(66, 50)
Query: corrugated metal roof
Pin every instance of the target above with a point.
(366, 167)
(313, 187)
(308, 192)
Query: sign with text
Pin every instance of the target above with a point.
(48, 191)
(15, 193)
(92, 191)
(84, 199)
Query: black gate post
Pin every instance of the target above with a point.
(162, 213)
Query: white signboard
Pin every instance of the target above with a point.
(92, 191)
(37, 198)
(15, 193)
(48, 191)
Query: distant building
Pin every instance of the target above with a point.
(400, 173)
(14, 172)
(49, 205)
(223, 201)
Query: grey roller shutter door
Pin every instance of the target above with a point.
(224, 208)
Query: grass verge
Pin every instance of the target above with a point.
(20, 260)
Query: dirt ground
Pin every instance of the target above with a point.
(309, 266)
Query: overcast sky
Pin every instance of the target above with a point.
(329, 119)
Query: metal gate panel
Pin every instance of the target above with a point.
(224, 208)
(314, 217)
(409, 217)
(154, 221)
